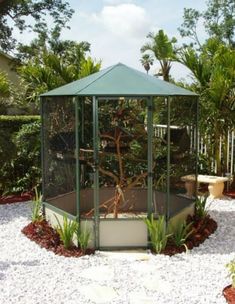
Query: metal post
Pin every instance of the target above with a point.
(96, 171)
(77, 130)
(150, 155)
(42, 153)
(168, 159)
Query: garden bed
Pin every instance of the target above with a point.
(229, 294)
(202, 229)
(15, 198)
(47, 237)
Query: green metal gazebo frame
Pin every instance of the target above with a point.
(112, 83)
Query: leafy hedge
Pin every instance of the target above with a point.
(19, 153)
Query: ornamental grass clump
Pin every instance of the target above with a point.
(201, 210)
(83, 236)
(158, 232)
(181, 232)
(37, 207)
(231, 268)
(66, 231)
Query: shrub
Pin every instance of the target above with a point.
(231, 268)
(20, 153)
(83, 237)
(66, 231)
(37, 207)
(181, 232)
(157, 232)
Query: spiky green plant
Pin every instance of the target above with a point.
(37, 207)
(181, 232)
(158, 232)
(231, 268)
(201, 210)
(83, 236)
(66, 231)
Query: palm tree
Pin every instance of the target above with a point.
(146, 61)
(50, 70)
(214, 72)
(163, 50)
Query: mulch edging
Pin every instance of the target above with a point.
(229, 294)
(47, 237)
(15, 198)
(202, 229)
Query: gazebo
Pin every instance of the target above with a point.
(116, 146)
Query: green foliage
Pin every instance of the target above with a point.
(200, 207)
(214, 71)
(4, 85)
(83, 236)
(13, 13)
(37, 207)
(60, 63)
(66, 231)
(231, 268)
(218, 19)
(163, 49)
(14, 122)
(5, 89)
(213, 67)
(181, 232)
(146, 61)
(158, 232)
(20, 153)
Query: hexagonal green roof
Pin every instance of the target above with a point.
(119, 80)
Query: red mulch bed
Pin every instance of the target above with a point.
(229, 294)
(46, 237)
(202, 229)
(15, 198)
(230, 193)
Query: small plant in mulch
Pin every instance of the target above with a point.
(200, 230)
(158, 232)
(180, 233)
(185, 235)
(229, 291)
(47, 237)
(66, 231)
(37, 207)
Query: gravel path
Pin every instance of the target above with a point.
(29, 274)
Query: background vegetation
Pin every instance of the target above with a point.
(49, 61)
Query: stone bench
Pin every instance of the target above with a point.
(216, 184)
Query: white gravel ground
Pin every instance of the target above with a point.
(29, 274)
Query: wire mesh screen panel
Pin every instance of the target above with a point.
(86, 155)
(122, 157)
(183, 120)
(160, 155)
(59, 152)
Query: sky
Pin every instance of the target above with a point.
(117, 29)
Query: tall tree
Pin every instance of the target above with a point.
(14, 13)
(218, 19)
(163, 49)
(146, 61)
(48, 62)
(214, 72)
